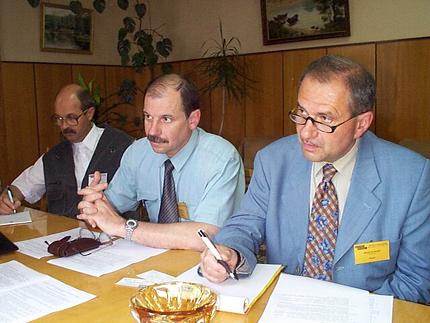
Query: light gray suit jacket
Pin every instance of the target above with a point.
(388, 199)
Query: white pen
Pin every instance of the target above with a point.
(216, 253)
(10, 195)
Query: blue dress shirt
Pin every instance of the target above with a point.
(208, 175)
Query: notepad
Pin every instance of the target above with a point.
(237, 296)
(17, 218)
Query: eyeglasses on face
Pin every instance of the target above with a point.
(301, 120)
(69, 120)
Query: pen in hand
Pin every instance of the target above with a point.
(10, 195)
(216, 253)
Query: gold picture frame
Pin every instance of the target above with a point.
(285, 21)
(61, 30)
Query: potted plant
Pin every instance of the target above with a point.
(225, 69)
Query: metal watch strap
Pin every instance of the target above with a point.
(130, 226)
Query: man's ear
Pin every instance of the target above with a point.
(194, 119)
(364, 121)
(90, 113)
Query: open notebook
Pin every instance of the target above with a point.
(237, 296)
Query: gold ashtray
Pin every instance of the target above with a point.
(174, 302)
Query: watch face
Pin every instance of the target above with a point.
(131, 223)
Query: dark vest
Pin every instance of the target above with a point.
(59, 169)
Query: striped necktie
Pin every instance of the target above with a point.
(322, 229)
(169, 207)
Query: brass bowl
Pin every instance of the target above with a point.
(174, 302)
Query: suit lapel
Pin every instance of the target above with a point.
(361, 204)
(296, 199)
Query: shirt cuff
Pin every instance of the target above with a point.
(242, 267)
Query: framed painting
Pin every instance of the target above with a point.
(297, 20)
(61, 30)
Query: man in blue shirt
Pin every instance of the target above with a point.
(207, 173)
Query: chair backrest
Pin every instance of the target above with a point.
(421, 147)
(249, 148)
(251, 145)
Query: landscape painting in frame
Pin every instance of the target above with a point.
(297, 20)
(64, 31)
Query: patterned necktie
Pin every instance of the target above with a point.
(322, 230)
(169, 207)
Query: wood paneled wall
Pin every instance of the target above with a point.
(402, 71)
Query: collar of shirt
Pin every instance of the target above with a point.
(91, 140)
(181, 157)
(345, 167)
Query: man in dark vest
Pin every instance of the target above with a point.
(66, 167)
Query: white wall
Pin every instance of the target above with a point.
(190, 22)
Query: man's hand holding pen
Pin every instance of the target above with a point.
(212, 269)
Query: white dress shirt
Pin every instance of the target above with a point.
(342, 179)
(31, 182)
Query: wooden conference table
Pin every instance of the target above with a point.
(111, 303)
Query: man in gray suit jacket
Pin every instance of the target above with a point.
(366, 227)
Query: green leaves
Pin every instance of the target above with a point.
(34, 3)
(99, 5)
(76, 7)
(123, 47)
(138, 60)
(122, 33)
(123, 4)
(140, 9)
(93, 90)
(149, 45)
(143, 39)
(129, 24)
(225, 69)
(166, 68)
(164, 47)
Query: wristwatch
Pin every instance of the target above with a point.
(130, 226)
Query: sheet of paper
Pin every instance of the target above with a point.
(300, 299)
(237, 296)
(37, 247)
(147, 278)
(381, 308)
(107, 259)
(27, 294)
(155, 277)
(132, 282)
(17, 218)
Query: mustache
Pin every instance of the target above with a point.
(68, 131)
(157, 140)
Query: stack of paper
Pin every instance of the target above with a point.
(237, 296)
(299, 299)
(27, 294)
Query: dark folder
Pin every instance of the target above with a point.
(6, 245)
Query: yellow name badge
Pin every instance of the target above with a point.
(183, 210)
(371, 252)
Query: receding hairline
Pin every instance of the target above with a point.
(159, 87)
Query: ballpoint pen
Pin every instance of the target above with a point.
(10, 195)
(216, 253)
